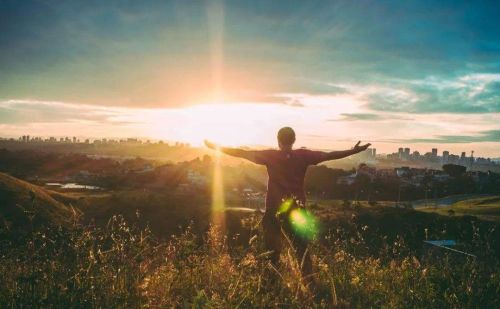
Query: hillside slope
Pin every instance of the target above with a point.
(486, 207)
(19, 200)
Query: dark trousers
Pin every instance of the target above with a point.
(279, 229)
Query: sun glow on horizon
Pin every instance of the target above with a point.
(229, 124)
(247, 123)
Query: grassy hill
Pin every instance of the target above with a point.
(20, 201)
(484, 207)
(358, 263)
(365, 255)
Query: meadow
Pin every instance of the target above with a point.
(365, 255)
(484, 207)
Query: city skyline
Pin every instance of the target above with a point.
(389, 73)
(402, 153)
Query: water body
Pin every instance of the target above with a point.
(445, 201)
(72, 185)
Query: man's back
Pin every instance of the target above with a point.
(286, 170)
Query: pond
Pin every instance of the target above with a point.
(72, 185)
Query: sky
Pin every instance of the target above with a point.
(419, 74)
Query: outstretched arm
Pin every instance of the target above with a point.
(334, 155)
(235, 152)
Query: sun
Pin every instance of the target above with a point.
(229, 124)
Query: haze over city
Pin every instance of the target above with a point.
(236, 71)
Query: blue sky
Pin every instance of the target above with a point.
(426, 67)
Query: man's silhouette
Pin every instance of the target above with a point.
(286, 169)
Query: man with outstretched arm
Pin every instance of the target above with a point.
(286, 169)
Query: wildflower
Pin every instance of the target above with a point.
(339, 256)
(355, 280)
(416, 263)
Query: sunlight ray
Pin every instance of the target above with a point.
(218, 200)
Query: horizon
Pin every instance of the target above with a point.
(386, 73)
(145, 140)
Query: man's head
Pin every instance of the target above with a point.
(286, 138)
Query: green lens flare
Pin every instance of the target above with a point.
(285, 206)
(303, 223)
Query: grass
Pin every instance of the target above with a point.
(17, 198)
(366, 255)
(487, 208)
(124, 266)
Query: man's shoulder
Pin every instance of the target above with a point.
(269, 150)
(310, 156)
(266, 153)
(302, 150)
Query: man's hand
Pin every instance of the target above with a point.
(335, 155)
(211, 145)
(357, 148)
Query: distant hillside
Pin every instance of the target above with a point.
(486, 207)
(20, 199)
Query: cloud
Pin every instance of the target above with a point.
(360, 116)
(469, 93)
(484, 136)
(369, 117)
(158, 53)
(33, 111)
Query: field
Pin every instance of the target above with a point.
(484, 207)
(140, 248)
(123, 266)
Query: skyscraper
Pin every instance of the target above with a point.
(446, 156)
(406, 155)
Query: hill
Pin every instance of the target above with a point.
(485, 207)
(20, 201)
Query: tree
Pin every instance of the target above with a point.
(454, 170)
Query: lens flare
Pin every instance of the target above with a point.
(303, 223)
(285, 206)
(218, 201)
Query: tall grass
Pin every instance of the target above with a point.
(123, 266)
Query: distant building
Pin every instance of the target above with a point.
(145, 169)
(453, 159)
(195, 178)
(402, 171)
(446, 156)
(406, 154)
(434, 152)
(415, 155)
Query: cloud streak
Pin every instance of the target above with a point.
(485, 136)
(370, 117)
(471, 93)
